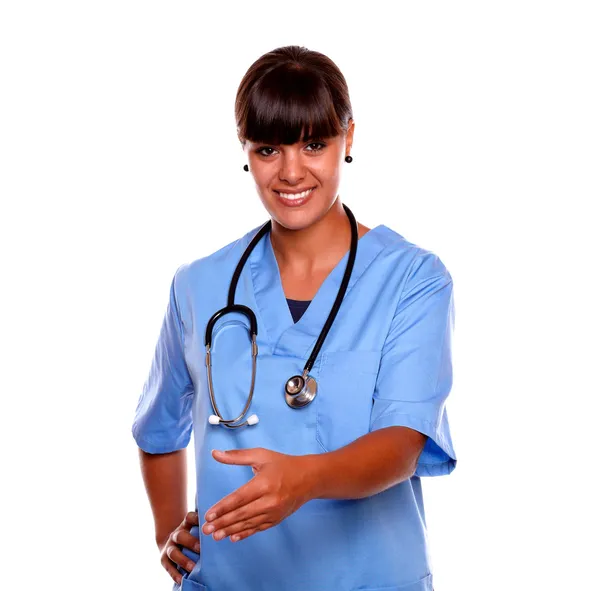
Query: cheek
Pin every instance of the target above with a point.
(265, 198)
(262, 183)
(328, 170)
(328, 180)
(264, 176)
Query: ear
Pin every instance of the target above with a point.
(349, 135)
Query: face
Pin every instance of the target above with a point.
(283, 172)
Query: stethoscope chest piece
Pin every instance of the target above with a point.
(300, 391)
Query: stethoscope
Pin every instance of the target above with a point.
(300, 390)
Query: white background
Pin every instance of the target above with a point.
(477, 137)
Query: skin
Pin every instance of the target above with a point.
(283, 483)
(165, 479)
(308, 242)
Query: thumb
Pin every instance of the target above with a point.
(240, 457)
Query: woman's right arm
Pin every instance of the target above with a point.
(162, 429)
(165, 479)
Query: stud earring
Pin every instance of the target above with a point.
(348, 159)
(246, 167)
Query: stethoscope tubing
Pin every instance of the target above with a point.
(232, 307)
(225, 422)
(340, 296)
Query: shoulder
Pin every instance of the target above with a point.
(413, 262)
(221, 261)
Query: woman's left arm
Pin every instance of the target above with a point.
(283, 483)
(370, 464)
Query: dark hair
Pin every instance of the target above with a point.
(288, 91)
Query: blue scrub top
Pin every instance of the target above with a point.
(386, 361)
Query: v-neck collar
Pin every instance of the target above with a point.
(298, 339)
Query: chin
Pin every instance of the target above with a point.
(295, 220)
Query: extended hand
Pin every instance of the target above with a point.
(281, 485)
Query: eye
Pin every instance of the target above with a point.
(320, 145)
(260, 150)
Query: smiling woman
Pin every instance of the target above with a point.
(363, 414)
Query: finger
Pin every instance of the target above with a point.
(241, 526)
(172, 570)
(249, 532)
(177, 556)
(185, 538)
(247, 493)
(191, 519)
(252, 509)
(193, 556)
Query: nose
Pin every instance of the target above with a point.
(292, 168)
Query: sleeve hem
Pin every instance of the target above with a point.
(400, 419)
(158, 448)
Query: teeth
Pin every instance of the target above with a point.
(295, 196)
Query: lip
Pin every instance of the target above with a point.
(294, 202)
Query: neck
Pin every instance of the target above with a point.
(321, 245)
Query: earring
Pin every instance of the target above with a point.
(348, 159)
(246, 167)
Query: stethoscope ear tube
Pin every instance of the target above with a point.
(217, 418)
(238, 270)
(227, 310)
(341, 292)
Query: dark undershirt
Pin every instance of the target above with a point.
(297, 308)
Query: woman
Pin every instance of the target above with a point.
(324, 491)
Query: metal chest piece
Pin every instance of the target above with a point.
(300, 390)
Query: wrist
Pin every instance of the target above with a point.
(312, 475)
(161, 541)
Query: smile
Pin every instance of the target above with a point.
(293, 196)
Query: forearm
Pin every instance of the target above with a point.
(165, 479)
(367, 466)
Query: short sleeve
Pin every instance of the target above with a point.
(415, 375)
(163, 416)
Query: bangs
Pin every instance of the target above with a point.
(288, 105)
